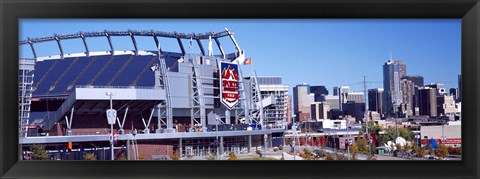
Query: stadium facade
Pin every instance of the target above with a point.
(196, 104)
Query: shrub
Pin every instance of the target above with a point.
(283, 157)
(122, 157)
(455, 150)
(307, 155)
(89, 156)
(232, 156)
(275, 149)
(329, 156)
(175, 155)
(280, 147)
(210, 157)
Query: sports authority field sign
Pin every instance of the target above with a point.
(229, 84)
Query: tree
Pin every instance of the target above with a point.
(372, 149)
(416, 150)
(372, 128)
(422, 152)
(89, 156)
(400, 148)
(430, 150)
(354, 151)
(176, 155)
(39, 152)
(405, 133)
(407, 148)
(391, 135)
(442, 151)
(362, 146)
(232, 156)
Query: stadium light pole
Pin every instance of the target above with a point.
(111, 125)
(216, 132)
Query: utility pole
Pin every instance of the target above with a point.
(366, 110)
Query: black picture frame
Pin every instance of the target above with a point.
(11, 11)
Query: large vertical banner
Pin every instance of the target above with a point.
(229, 84)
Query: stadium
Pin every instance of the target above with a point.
(160, 102)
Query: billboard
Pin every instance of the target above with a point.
(229, 84)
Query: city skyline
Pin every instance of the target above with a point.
(326, 49)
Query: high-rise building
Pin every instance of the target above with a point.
(445, 105)
(354, 109)
(272, 87)
(454, 92)
(342, 93)
(319, 92)
(289, 109)
(440, 88)
(320, 110)
(375, 100)
(427, 101)
(408, 93)
(357, 97)
(333, 102)
(335, 91)
(393, 71)
(416, 79)
(301, 101)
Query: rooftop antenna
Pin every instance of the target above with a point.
(390, 55)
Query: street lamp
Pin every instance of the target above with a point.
(111, 116)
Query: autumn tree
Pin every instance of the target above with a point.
(354, 151)
(422, 152)
(362, 146)
(416, 150)
(442, 151)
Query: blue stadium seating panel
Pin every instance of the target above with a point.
(70, 77)
(95, 64)
(111, 70)
(51, 77)
(132, 70)
(93, 69)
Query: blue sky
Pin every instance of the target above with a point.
(330, 52)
